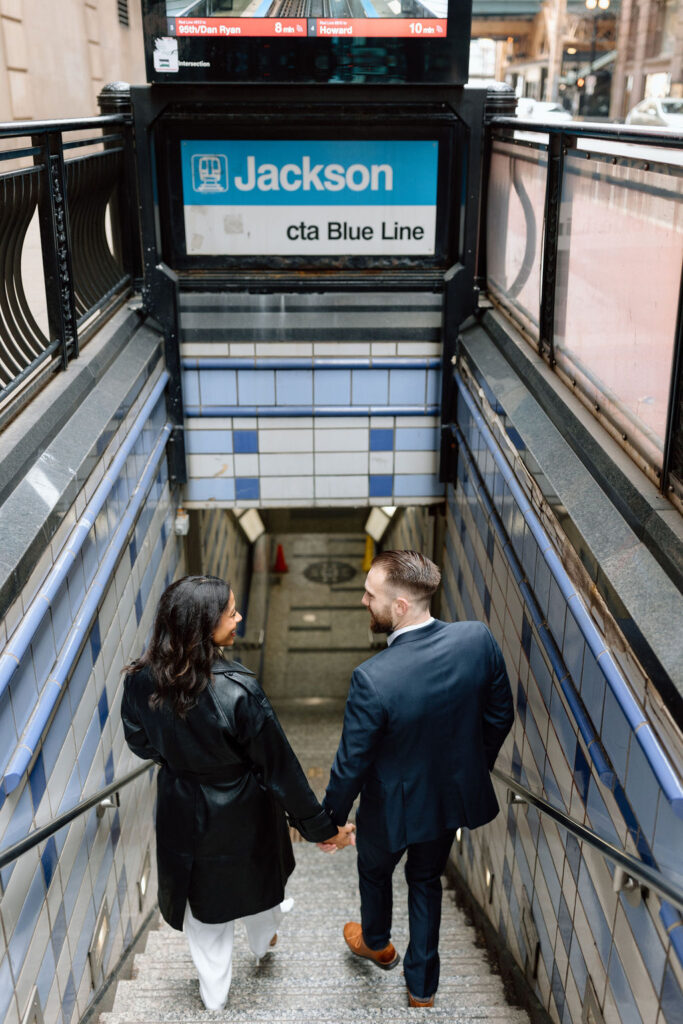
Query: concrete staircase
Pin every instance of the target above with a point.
(311, 977)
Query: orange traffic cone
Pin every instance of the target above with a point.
(280, 564)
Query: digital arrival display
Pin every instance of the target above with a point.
(306, 19)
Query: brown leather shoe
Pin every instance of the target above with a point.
(412, 1001)
(385, 958)
(273, 941)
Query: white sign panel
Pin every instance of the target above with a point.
(286, 198)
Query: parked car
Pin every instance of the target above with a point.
(541, 110)
(659, 113)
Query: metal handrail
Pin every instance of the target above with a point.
(40, 834)
(639, 134)
(650, 877)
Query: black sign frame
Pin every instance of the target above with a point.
(360, 60)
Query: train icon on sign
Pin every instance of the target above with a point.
(209, 172)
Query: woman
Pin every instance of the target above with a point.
(227, 777)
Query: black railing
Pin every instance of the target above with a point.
(39, 835)
(531, 265)
(71, 193)
(630, 867)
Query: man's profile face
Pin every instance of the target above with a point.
(378, 600)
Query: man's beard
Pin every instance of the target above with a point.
(380, 625)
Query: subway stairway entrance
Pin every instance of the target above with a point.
(317, 631)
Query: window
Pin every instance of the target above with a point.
(123, 12)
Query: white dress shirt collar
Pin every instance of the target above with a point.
(407, 629)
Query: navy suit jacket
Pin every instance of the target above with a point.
(424, 721)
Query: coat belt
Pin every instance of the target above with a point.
(228, 773)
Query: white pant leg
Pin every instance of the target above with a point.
(261, 927)
(211, 951)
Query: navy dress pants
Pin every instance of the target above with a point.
(424, 866)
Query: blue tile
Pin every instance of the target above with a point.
(543, 937)
(138, 608)
(48, 860)
(516, 763)
(565, 729)
(122, 887)
(535, 741)
(573, 648)
(668, 841)
(246, 441)
(642, 790)
(557, 611)
(417, 439)
(381, 440)
(582, 772)
(541, 584)
(103, 708)
(381, 486)
(422, 485)
(540, 671)
(218, 387)
(58, 931)
(247, 488)
(109, 768)
(623, 996)
(407, 387)
(433, 387)
(616, 733)
(600, 818)
(578, 964)
(95, 640)
(27, 921)
(557, 990)
(8, 733)
(573, 855)
(521, 702)
(133, 550)
(564, 920)
(672, 998)
(68, 999)
(549, 872)
(507, 878)
(115, 833)
(369, 387)
(332, 387)
(46, 975)
(294, 387)
(23, 692)
(36, 781)
(190, 385)
(595, 914)
(649, 943)
(593, 696)
(207, 442)
(214, 489)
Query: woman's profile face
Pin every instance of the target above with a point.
(224, 633)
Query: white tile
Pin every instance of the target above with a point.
(273, 424)
(193, 349)
(334, 502)
(417, 421)
(244, 423)
(208, 423)
(327, 348)
(285, 441)
(386, 422)
(107, 612)
(247, 464)
(286, 488)
(416, 462)
(240, 348)
(419, 349)
(381, 462)
(299, 464)
(284, 349)
(341, 462)
(383, 348)
(341, 486)
(219, 465)
(336, 439)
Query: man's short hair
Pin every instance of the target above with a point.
(411, 571)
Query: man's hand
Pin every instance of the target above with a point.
(346, 836)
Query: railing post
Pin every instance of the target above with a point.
(125, 218)
(672, 467)
(53, 217)
(553, 200)
(161, 298)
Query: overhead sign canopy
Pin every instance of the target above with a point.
(314, 197)
(307, 40)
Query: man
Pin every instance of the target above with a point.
(424, 721)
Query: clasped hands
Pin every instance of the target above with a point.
(346, 836)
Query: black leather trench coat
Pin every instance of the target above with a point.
(227, 777)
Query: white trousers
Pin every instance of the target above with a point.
(211, 948)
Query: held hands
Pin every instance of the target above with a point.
(346, 836)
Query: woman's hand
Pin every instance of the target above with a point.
(346, 836)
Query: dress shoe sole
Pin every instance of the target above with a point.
(383, 967)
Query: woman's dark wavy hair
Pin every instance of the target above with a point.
(181, 651)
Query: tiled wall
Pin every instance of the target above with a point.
(307, 406)
(572, 744)
(52, 895)
(411, 530)
(225, 549)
